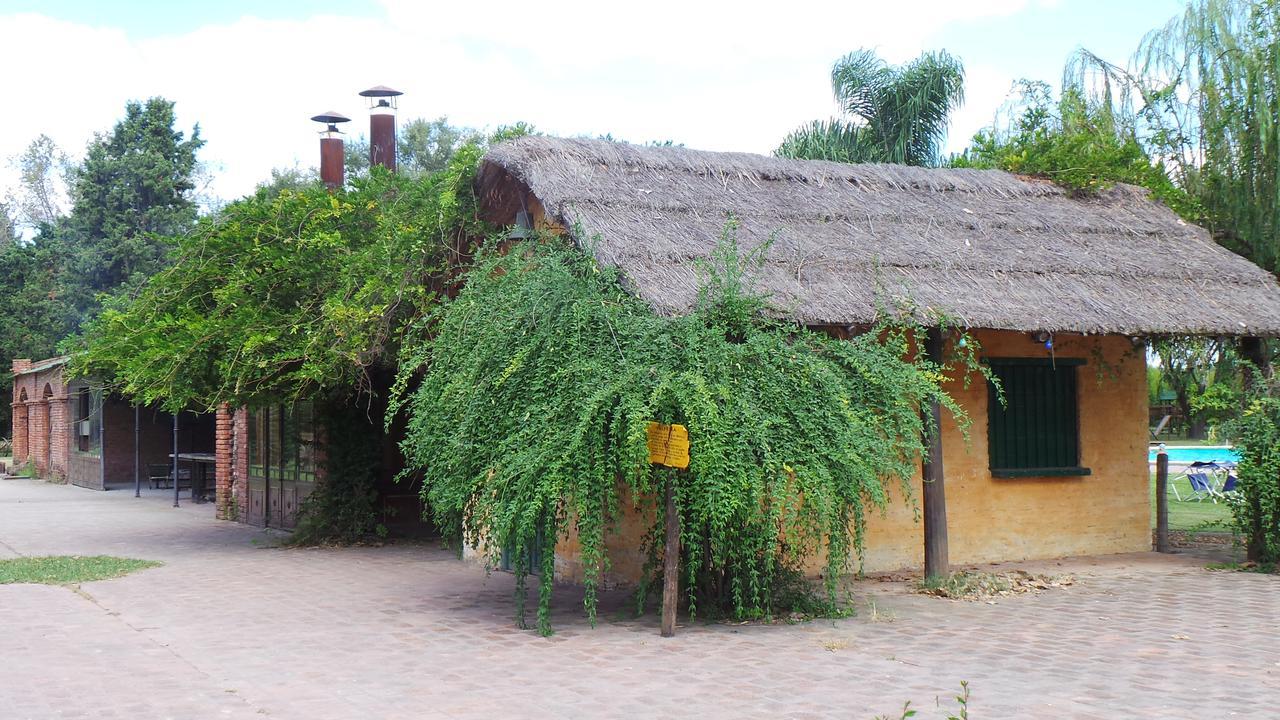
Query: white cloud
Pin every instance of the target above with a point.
(722, 76)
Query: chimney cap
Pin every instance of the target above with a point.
(331, 117)
(380, 91)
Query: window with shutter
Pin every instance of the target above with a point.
(1036, 431)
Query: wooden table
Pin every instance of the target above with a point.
(200, 463)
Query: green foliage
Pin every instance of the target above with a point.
(1255, 507)
(134, 187)
(136, 181)
(892, 114)
(422, 147)
(1080, 145)
(1201, 95)
(34, 315)
(68, 569)
(287, 296)
(343, 508)
(1203, 374)
(530, 422)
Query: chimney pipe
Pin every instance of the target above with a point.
(331, 158)
(382, 125)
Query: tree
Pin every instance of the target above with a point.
(1201, 95)
(34, 315)
(422, 146)
(134, 184)
(293, 178)
(8, 227)
(892, 114)
(1077, 142)
(43, 170)
(134, 187)
(288, 294)
(1203, 374)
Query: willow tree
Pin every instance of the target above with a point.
(1201, 93)
(893, 114)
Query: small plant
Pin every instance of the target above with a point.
(962, 700)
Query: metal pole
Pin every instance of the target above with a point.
(137, 434)
(1162, 502)
(175, 459)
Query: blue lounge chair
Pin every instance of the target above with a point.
(1201, 487)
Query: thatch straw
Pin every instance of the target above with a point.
(985, 248)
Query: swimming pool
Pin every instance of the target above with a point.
(1203, 453)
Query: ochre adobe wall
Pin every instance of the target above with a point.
(998, 519)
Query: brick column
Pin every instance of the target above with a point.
(21, 416)
(59, 436)
(222, 463)
(39, 440)
(240, 462)
(20, 432)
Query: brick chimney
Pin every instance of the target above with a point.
(21, 365)
(382, 125)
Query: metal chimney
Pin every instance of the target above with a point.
(382, 125)
(331, 158)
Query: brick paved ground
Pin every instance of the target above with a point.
(232, 628)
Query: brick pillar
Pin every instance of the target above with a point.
(39, 437)
(240, 461)
(20, 431)
(59, 436)
(223, 463)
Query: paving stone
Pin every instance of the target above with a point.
(232, 627)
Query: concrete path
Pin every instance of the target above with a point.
(231, 627)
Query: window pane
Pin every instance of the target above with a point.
(272, 417)
(257, 443)
(289, 444)
(305, 412)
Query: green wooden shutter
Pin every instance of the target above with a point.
(1036, 430)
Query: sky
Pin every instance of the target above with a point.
(710, 75)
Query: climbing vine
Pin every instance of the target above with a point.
(287, 295)
(540, 379)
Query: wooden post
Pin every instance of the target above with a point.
(671, 562)
(934, 496)
(1162, 502)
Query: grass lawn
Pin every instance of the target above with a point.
(1191, 515)
(68, 569)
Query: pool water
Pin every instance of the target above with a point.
(1204, 453)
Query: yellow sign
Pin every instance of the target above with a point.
(668, 445)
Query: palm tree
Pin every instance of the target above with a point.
(892, 114)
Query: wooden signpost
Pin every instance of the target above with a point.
(669, 446)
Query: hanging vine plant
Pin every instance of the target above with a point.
(542, 376)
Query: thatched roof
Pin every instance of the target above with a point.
(985, 248)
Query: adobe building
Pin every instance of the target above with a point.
(1061, 291)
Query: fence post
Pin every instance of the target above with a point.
(1162, 502)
